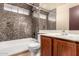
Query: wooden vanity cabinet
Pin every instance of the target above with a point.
(58, 47)
(64, 48)
(46, 46)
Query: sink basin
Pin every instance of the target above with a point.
(69, 36)
(63, 34)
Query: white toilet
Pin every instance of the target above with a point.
(34, 47)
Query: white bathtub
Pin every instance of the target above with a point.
(14, 46)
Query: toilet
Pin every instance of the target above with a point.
(34, 47)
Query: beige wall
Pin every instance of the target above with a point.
(62, 18)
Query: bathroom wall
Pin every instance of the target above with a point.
(39, 24)
(14, 26)
(22, 5)
(35, 27)
(39, 21)
(43, 24)
(62, 16)
(52, 20)
(1, 6)
(52, 25)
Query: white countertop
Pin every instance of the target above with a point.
(72, 37)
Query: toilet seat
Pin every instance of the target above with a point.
(34, 47)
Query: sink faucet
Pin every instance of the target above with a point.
(64, 33)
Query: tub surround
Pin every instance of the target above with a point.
(59, 44)
(14, 25)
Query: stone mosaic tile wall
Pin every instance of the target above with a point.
(52, 25)
(38, 25)
(1, 6)
(14, 26)
(43, 24)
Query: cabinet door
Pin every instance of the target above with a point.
(46, 46)
(69, 48)
(64, 48)
(58, 47)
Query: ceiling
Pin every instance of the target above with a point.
(50, 6)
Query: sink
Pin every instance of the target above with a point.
(62, 35)
(69, 36)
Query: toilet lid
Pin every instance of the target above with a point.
(34, 45)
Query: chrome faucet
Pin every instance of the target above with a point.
(64, 33)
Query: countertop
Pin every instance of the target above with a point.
(72, 37)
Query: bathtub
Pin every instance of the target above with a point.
(14, 46)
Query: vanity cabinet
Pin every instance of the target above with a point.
(46, 43)
(51, 46)
(64, 48)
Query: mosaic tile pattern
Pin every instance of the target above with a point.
(14, 26)
(43, 24)
(1, 6)
(52, 25)
(38, 25)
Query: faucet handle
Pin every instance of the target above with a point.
(63, 31)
